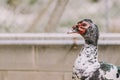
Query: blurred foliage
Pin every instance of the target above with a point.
(36, 15)
(94, 1)
(13, 3)
(32, 2)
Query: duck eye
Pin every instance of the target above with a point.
(84, 24)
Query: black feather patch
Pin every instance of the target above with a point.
(95, 75)
(106, 67)
(117, 75)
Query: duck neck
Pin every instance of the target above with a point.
(91, 42)
(89, 53)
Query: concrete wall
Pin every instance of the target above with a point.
(48, 56)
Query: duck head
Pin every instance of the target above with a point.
(88, 30)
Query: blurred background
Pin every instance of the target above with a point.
(33, 40)
(38, 16)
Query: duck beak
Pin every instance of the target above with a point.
(71, 31)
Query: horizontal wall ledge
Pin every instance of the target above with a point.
(55, 39)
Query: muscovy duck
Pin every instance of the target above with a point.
(87, 66)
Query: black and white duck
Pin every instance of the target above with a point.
(86, 65)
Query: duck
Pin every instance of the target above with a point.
(86, 65)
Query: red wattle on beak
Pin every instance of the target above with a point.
(81, 30)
